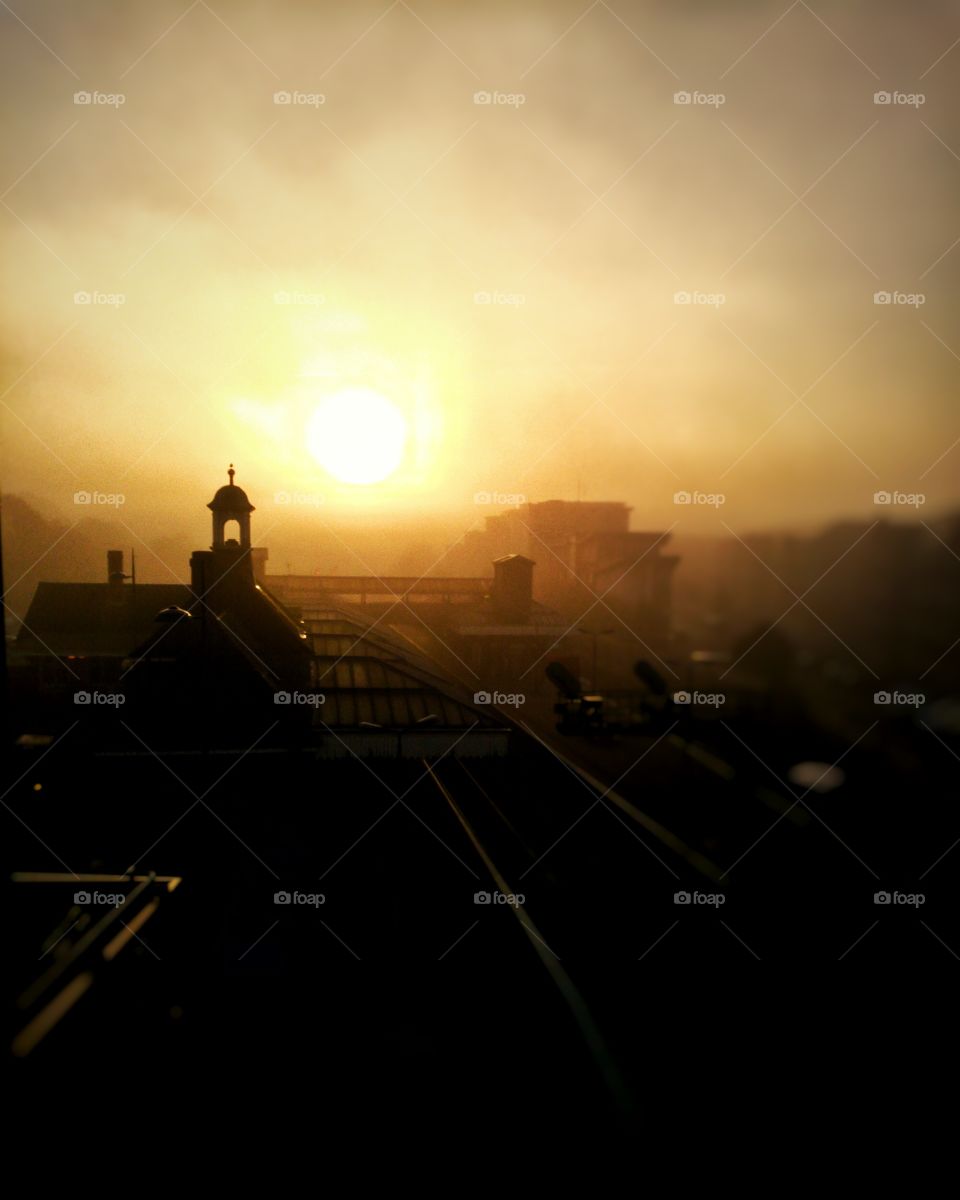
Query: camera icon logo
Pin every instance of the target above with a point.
(681, 697)
(882, 97)
(481, 898)
(882, 698)
(482, 98)
(281, 497)
(681, 897)
(681, 497)
(281, 697)
(82, 98)
(882, 498)
(881, 897)
(482, 298)
(481, 698)
(81, 697)
(82, 298)
(282, 98)
(682, 298)
(81, 897)
(282, 898)
(681, 97)
(882, 297)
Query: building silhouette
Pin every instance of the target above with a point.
(210, 662)
(583, 549)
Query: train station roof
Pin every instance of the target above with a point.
(381, 698)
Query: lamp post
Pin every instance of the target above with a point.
(594, 633)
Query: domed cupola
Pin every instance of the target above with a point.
(231, 504)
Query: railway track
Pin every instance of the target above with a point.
(565, 986)
(82, 948)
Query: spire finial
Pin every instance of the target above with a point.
(231, 473)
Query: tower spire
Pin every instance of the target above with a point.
(231, 473)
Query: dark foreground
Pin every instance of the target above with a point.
(385, 971)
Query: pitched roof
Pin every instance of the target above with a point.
(95, 618)
(375, 680)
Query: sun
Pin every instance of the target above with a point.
(358, 435)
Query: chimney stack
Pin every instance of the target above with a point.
(201, 572)
(115, 575)
(258, 557)
(513, 588)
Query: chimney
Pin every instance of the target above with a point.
(115, 575)
(258, 556)
(513, 588)
(201, 571)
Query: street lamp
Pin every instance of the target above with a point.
(594, 633)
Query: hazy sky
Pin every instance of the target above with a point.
(382, 210)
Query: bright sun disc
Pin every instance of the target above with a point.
(357, 435)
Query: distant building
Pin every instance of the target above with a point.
(584, 549)
(878, 597)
